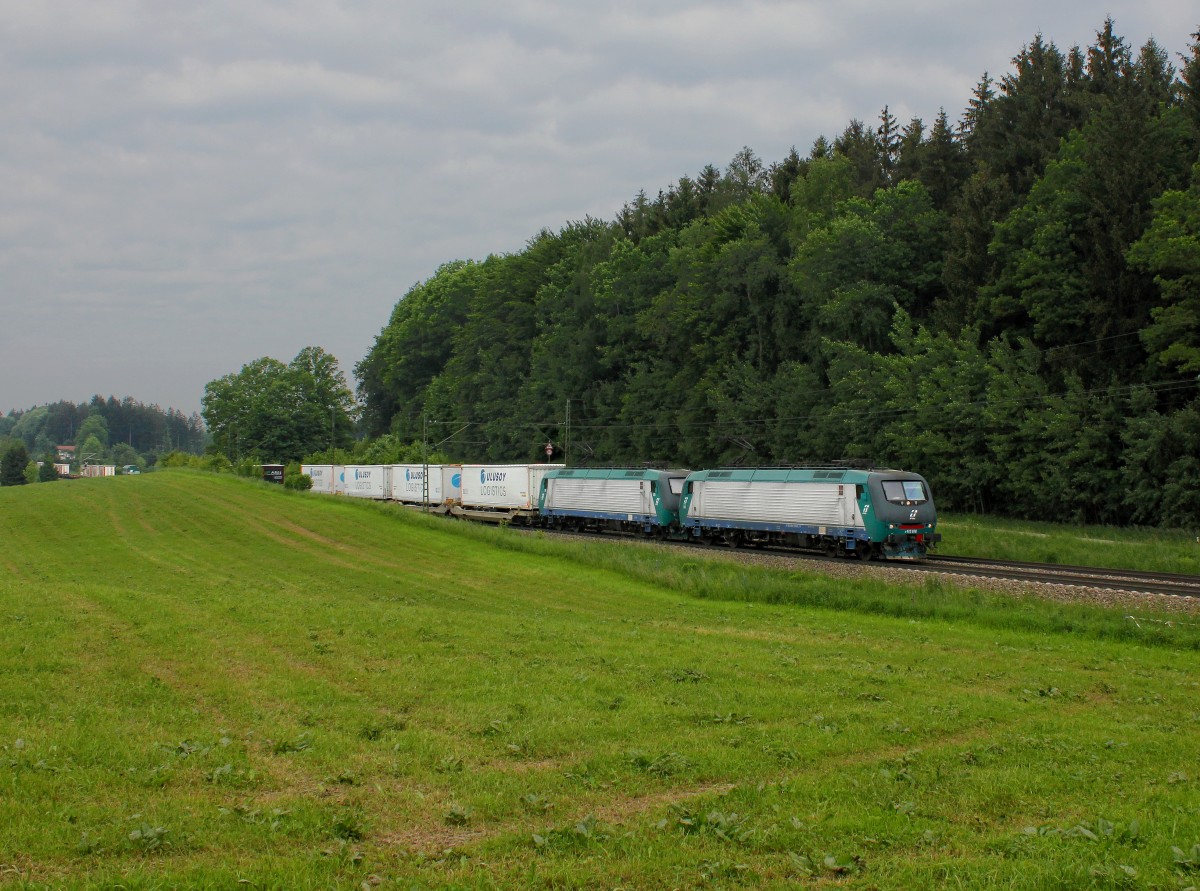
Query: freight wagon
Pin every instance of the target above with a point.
(501, 492)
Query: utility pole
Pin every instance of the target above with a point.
(425, 462)
(567, 437)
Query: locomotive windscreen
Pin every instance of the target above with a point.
(904, 491)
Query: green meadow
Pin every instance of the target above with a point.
(212, 683)
(1149, 550)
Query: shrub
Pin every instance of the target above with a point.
(215, 463)
(177, 459)
(293, 478)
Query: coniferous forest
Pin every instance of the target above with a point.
(1008, 302)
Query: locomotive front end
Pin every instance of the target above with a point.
(904, 522)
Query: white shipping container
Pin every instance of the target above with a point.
(797, 504)
(503, 486)
(321, 476)
(367, 481)
(408, 482)
(339, 480)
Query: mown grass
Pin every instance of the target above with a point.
(1150, 550)
(207, 682)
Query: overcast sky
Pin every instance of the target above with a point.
(188, 186)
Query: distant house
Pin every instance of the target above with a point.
(65, 453)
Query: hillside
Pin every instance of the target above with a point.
(205, 681)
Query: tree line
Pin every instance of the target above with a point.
(1008, 303)
(103, 431)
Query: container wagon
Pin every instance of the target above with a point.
(501, 492)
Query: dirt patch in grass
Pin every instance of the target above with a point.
(432, 839)
(621, 810)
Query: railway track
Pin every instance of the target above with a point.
(1055, 574)
(1034, 573)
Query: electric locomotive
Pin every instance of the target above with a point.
(840, 510)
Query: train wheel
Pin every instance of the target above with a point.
(734, 540)
(864, 553)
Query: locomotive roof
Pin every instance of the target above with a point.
(801, 474)
(615, 473)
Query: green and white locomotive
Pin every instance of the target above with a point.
(842, 511)
(638, 500)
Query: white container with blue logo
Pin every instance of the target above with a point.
(503, 486)
(408, 483)
(321, 476)
(367, 481)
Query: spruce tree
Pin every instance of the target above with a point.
(47, 472)
(12, 466)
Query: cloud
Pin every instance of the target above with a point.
(264, 84)
(189, 186)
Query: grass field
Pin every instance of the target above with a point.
(207, 682)
(1151, 550)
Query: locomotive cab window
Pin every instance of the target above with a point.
(676, 484)
(904, 491)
